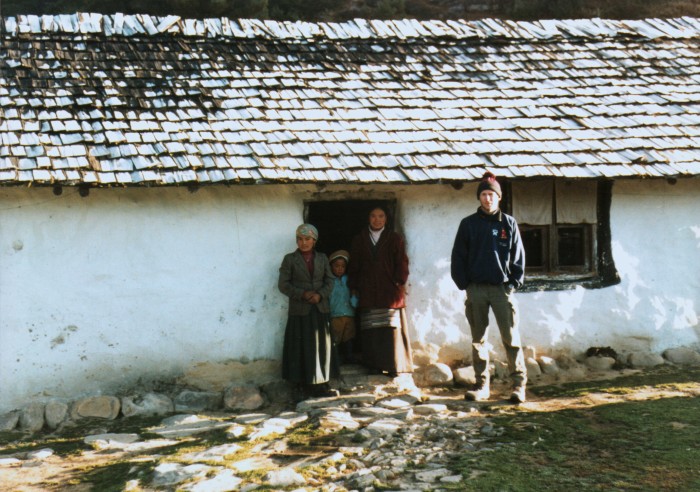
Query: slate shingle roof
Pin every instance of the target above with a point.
(139, 100)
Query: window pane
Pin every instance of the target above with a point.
(572, 248)
(533, 242)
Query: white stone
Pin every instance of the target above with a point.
(110, 441)
(9, 420)
(334, 458)
(432, 475)
(385, 426)
(148, 404)
(286, 477)
(393, 403)
(174, 473)
(548, 365)
(104, 407)
(600, 363)
(294, 418)
(405, 413)
(224, 480)
(682, 356)
(500, 370)
(451, 479)
(533, 368)
(437, 374)
(268, 429)
(464, 376)
(336, 401)
(645, 359)
(41, 454)
(235, 431)
(197, 401)
(430, 408)
(187, 425)
(243, 398)
(31, 418)
(352, 450)
(336, 420)
(251, 418)
(150, 444)
(216, 453)
(9, 461)
(55, 413)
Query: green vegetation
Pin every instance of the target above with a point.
(339, 10)
(645, 445)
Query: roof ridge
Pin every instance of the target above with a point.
(143, 24)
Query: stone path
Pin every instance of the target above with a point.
(380, 431)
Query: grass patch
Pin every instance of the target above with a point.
(663, 377)
(645, 445)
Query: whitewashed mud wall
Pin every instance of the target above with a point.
(656, 247)
(97, 293)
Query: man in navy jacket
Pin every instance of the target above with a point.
(488, 261)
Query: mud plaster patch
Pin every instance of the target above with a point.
(60, 339)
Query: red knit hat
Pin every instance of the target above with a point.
(488, 182)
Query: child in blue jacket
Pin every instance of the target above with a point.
(342, 306)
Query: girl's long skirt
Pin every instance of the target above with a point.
(308, 353)
(386, 345)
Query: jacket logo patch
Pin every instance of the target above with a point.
(503, 234)
(494, 232)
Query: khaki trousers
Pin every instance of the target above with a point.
(481, 297)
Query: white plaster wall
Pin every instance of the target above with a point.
(98, 292)
(656, 247)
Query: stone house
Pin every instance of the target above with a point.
(153, 171)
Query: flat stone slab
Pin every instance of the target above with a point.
(111, 441)
(5, 461)
(187, 425)
(225, 480)
(432, 475)
(216, 453)
(385, 426)
(430, 408)
(336, 401)
(338, 420)
(251, 418)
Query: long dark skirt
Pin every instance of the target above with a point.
(308, 356)
(388, 347)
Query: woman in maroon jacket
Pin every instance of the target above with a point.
(377, 274)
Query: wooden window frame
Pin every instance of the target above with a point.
(598, 269)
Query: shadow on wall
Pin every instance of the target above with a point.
(437, 307)
(640, 313)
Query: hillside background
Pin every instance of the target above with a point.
(339, 10)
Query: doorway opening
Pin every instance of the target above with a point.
(339, 221)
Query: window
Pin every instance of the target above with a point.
(565, 241)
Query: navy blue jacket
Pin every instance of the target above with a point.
(488, 250)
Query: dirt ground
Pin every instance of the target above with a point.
(62, 471)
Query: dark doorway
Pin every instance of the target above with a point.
(338, 221)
